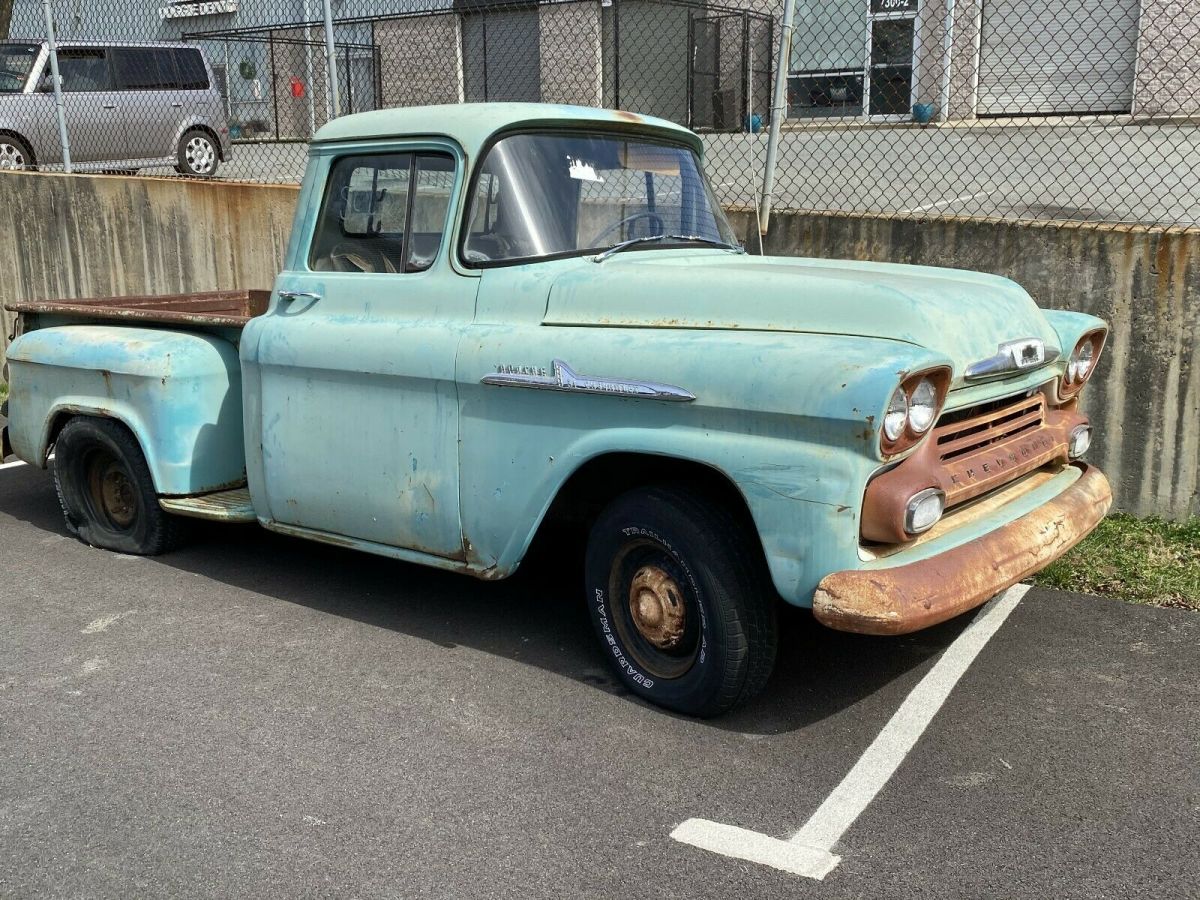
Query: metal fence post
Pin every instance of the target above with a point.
(331, 74)
(58, 97)
(778, 111)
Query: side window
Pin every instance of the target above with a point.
(83, 69)
(431, 202)
(190, 66)
(144, 68)
(383, 213)
(483, 240)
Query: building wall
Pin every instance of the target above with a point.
(1168, 70)
(571, 58)
(653, 58)
(421, 60)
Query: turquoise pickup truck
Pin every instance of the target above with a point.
(497, 321)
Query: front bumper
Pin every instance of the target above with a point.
(910, 597)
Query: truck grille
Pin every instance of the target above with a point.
(967, 431)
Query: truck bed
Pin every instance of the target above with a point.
(225, 308)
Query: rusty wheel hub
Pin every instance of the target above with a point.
(657, 606)
(114, 492)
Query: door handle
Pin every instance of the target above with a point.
(296, 295)
(177, 105)
(110, 106)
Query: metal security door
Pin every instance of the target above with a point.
(1057, 56)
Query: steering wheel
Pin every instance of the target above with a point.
(629, 220)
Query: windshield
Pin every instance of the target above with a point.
(15, 62)
(541, 195)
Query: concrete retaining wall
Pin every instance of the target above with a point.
(104, 236)
(1145, 397)
(79, 236)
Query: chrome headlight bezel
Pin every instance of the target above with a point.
(1078, 368)
(894, 439)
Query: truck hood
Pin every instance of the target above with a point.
(963, 315)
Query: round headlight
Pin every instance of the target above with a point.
(896, 416)
(1081, 362)
(922, 406)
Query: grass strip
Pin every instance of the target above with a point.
(1149, 561)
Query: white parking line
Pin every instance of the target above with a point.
(950, 202)
(12, 465)
(809, 852)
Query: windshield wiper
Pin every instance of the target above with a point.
(693, 238)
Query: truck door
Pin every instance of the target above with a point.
(354, 363)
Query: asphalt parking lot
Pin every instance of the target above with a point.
(257, 716)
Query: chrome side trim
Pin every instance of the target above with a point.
(563, 378)
(1012, 356)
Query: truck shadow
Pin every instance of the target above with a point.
(536, 618)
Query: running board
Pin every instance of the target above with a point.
(223, 506)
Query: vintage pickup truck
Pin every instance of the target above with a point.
(497, 320)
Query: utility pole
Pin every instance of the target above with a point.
(6, 7)
(778, 112)
(58, 97)
(335, 103)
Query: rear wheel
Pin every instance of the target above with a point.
(197, 154)
(680, 601)
(15, 154)
(106, 492)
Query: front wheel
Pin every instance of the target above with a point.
(106, 492)
(680, 601)
(197, 154)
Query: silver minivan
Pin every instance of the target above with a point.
(127, 106)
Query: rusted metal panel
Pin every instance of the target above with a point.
(970, 453)
(222, 506)
(910, 597)
(224, 308)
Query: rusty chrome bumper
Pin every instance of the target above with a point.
(910, 597)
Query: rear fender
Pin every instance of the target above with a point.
(178, 392)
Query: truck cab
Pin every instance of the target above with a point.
(496, 321)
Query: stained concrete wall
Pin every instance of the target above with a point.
(76, 236)
(80, 236)
(1144, 399)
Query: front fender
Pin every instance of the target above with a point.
(791, 420)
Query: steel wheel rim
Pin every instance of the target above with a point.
(11, 157)
(111, 491)
(200, 155)
(655, 609)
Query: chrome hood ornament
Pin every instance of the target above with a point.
(563, 378)
(1012, 356)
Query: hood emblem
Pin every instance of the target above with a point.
(563, 378)
(1012, 356)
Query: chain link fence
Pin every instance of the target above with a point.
(1011, 109)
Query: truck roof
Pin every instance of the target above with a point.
(472, 124)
